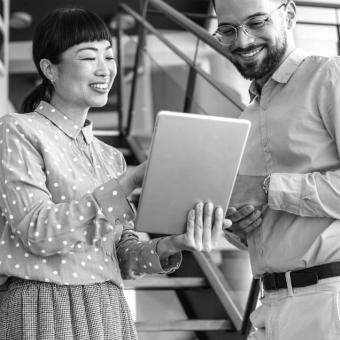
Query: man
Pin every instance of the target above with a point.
(290, 171)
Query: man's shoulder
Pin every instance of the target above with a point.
(318, 61)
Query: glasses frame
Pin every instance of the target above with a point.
(243, 26)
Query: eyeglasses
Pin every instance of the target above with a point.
(255, 26)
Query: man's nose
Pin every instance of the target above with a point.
(243, 38)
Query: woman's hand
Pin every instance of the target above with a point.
(132, 178)
(204, 227)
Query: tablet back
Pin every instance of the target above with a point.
(192, 158)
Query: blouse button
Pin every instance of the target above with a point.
(108, 253)
(118, 221)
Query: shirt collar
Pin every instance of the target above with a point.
(285, 70)
(64, 123)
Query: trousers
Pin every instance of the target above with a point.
(308, 313)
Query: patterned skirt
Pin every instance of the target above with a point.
(32, 310)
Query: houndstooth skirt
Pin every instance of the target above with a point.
(32, 310)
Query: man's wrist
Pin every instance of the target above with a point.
(265, 185)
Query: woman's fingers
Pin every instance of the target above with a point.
(191, 225)
(198, 225)
(218, 225)
(207, 226)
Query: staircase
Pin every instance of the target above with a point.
(211, 310)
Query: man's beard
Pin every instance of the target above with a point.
(255, 71)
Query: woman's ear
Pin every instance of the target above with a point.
(291, 14)
(48, 69)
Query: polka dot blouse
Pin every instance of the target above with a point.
(64, 217)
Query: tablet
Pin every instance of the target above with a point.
(192, 158)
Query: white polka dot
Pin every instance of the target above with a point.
(36, 234)
(2, 242)
(63, 261)
(17, 245)
(101, 267)
(47, 279)
(58, 226)
(101, 188)
(55, 272)
(26, 255)
(64, 242)
(9, 256)
(83, 263)
(81, 218)
(63, 198)
(44, 261)
(106, 259)
(114, 193)
(109, 209)
(89, 204)
(52, 110)
(79, 245)
(89, 257)
(17, 266)
(75, 274)
(12, 237)
(56, 185)
(150, 264)
(152, 251)
(36, 267)
(41, 107)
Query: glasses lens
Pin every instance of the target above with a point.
(255, 25)
(227, 34)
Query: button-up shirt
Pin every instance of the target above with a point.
(295, 137)
(64, 217)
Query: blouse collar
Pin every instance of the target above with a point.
(64, 123)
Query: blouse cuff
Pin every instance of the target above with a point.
(167, 265)
(113, 203)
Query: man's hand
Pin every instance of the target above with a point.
(248, 190)
(244, 220)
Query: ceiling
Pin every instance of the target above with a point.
(107, 9)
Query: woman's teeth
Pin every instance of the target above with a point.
(100, 86)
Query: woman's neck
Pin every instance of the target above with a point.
(75, 113)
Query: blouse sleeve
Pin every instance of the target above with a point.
(44, 227)
(137, 258)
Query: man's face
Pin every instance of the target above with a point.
(256, 57)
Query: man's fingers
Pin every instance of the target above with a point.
(219, 224)
(253, 226)
(241, 213)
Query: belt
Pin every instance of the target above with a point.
(300, 278)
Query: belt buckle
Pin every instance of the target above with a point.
(270, 280)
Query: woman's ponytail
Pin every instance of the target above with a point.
(41, 92)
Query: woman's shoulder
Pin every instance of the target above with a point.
(24, 123)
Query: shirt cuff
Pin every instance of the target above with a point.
(285, 192)
(113, 203)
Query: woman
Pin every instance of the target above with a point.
(66, 228)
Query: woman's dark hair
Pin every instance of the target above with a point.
(59, 30)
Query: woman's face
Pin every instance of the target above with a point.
(85, 75)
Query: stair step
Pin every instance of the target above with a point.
(184, 325)
(159, 283)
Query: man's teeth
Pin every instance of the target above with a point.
(100, 86)
(251, 53)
